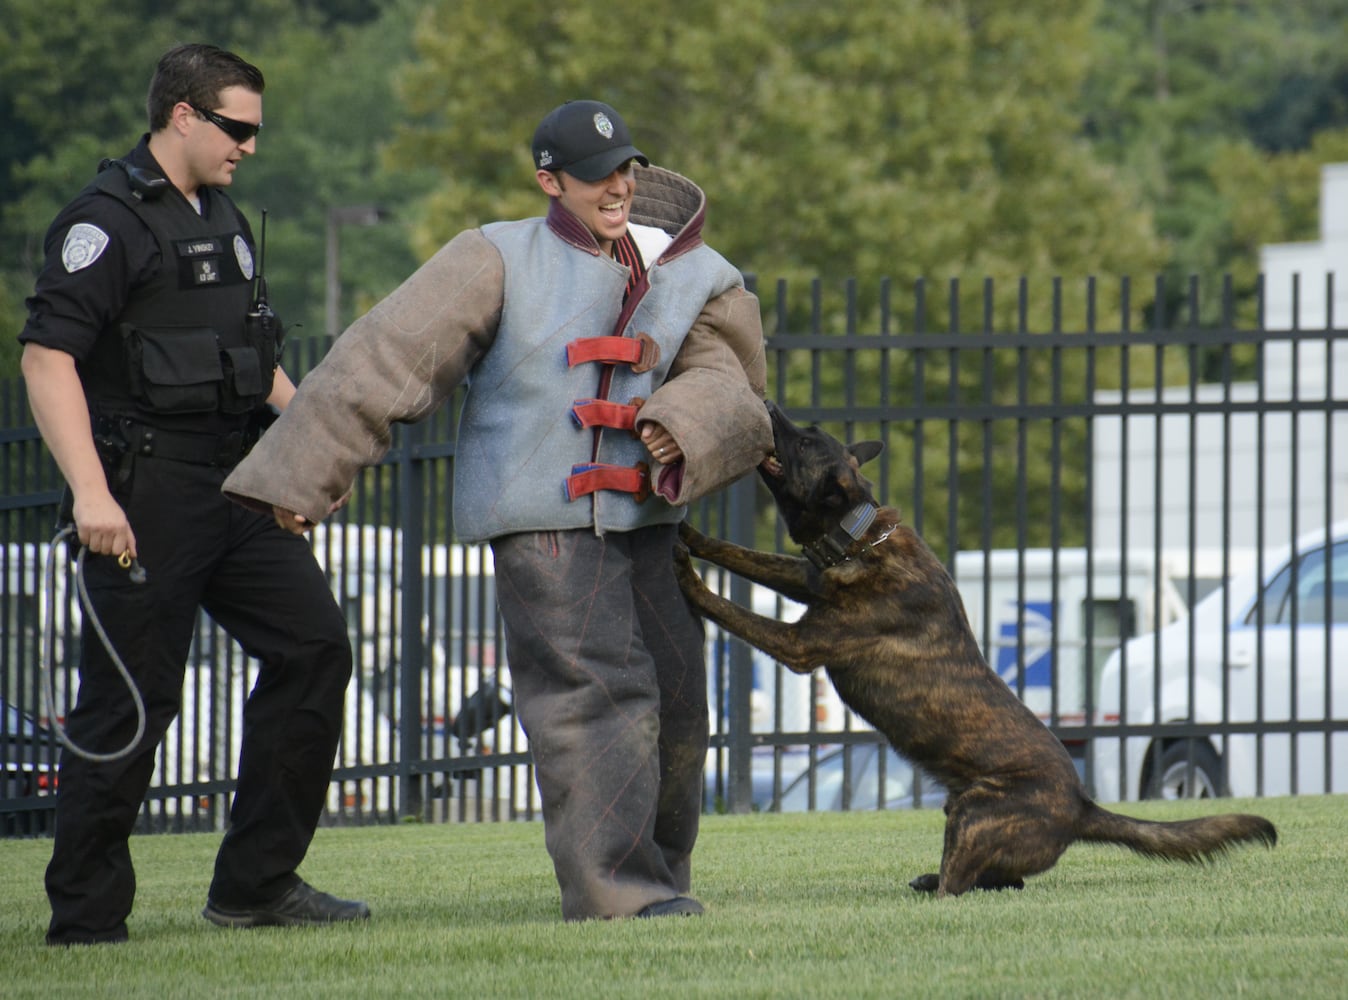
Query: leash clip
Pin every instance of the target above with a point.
(129, 562)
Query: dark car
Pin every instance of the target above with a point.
(28, 752)
(857, 770)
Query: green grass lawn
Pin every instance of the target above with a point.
(797, 906)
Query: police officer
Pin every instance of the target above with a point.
(147, 378)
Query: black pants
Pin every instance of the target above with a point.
(264, 588)
(610, 684)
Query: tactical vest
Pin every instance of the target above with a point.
(182, 353)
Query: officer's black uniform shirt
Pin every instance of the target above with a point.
(68, 310)
(71, 308)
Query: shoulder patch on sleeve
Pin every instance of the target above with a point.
(244, 256)
(82, 247)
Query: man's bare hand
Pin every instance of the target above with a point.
(340, 502)
(103, 527)
(660, 443)
(296, 524)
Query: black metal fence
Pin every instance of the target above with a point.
(1087, 480)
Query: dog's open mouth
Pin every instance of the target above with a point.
(771, 466)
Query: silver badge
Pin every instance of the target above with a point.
(602, 125)
(244, 255)
(83, 244)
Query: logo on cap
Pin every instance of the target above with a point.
(602, 125)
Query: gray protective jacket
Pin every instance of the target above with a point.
(497, 307)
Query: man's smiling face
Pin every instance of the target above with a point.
(601, 205)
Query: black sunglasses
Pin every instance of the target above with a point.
(239, 131)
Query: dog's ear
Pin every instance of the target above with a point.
(864, 451)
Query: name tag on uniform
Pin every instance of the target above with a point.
(209, 247)
(202, 259)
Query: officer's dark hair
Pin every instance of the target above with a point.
(196, 73)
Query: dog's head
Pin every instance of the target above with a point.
(814, 477)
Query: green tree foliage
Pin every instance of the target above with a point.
(66, 100)
(960, 144)
(1222, 113)
(863, 139)
(329, 109)
(73, 78)
(857, 139)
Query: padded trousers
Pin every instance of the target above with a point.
(609, 676)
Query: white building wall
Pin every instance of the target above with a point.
(1239, 454)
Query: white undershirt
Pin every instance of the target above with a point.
(650, 240)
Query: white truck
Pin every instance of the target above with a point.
(1048, 619)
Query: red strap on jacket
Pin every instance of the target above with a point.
(586, 479)
(612, 350)
(602, 413)
(641, 352)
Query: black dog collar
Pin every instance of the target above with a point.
(832, 548)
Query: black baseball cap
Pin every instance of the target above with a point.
(587, 139)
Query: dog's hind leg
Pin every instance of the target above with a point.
(993, 840)
(932, 881)
(997, 882)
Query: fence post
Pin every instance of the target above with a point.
(739, 745)
(411, 649)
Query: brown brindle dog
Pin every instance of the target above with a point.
(884, 618)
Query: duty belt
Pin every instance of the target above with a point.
(223, 450)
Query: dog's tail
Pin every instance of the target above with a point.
(1192, 840)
